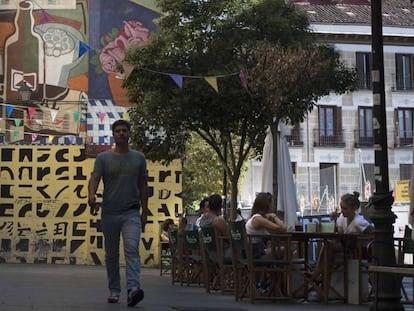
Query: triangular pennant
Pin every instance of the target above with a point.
(128, 69)
(17, 122)
(39, 121)
(70, 138)
(76, 116)
(213, 82)
(32, 111)
(50, 138)
(15, 134)
(178, 79)
(243, 80)
(101, 116)
(45, 17)
(125, 116)
(53, 114)
(9, 109)
(58, 121)
(83, 48)
(106, 139)
(34, 136)
(88, 139)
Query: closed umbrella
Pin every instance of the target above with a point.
(286, 198)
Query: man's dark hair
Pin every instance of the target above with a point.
(214, 202)
(121, 122)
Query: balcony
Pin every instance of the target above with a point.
(403, 139)
(403, 83)
(321, 139)
(363, 139)
(294, 139)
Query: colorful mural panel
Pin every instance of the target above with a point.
(44, 217)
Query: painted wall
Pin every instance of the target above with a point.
(44, 217)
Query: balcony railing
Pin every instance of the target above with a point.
(403, 83)
(294, 139)
(403, 139)
(363, 138)
(321, 139)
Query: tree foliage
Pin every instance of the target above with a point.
(199, 38)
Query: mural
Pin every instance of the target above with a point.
(44, 217)
(68, 58)
(67, 53)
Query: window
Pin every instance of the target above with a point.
(404, 69)
(328, 184)
(404, 126)
(366, 134)
(364, 67)
(330, 126)
(405, 171)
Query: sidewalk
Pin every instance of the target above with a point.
(65, 288)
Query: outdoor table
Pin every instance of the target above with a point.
(305, 241)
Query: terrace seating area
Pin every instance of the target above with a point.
(198, 259)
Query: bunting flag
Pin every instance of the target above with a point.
(76, 115)
(178, 79)
(17, 122)
(88, 139)
(243, 79)
(53, 114)
(34, 137)
(125, 116)
(213, 82)
(101, 116)
(128, 69)
(70, 138)
(32, 111)
(15, 134)
(9, 109)
(44, 17)
(83, 48)
(58, 121)
(50, 138)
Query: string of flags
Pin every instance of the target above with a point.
(178, 79)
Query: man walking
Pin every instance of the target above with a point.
(125, 196)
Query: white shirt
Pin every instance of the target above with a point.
(358, 225)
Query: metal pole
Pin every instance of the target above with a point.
(388, 286)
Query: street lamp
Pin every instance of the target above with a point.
(388, 286)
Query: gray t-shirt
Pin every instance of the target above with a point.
(121, 175)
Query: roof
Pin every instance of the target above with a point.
(398, 13)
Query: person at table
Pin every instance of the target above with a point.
(263, 222)
(350, 221)
(202, 210)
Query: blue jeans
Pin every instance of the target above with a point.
(129, 226)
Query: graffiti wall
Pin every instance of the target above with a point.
(44, 217)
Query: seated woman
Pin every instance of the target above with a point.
(348, 222)
(263, 222)
(166, 226)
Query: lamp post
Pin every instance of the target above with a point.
(388, 286)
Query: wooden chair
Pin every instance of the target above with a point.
(192, 260)
(247, 268)
(407, 248)
(176, 247)
(164, 253)
(217, 267)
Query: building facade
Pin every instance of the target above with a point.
(332, 151)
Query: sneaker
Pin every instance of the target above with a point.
(135, 296)
(113, 298)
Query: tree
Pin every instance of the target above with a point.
(291, 80)
(199, 39)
